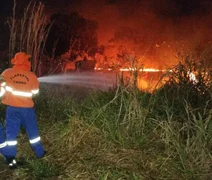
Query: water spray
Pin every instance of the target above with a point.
(97, 80)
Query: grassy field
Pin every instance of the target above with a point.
(123, 134)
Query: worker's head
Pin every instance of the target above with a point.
(21, 61)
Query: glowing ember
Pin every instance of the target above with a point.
(151, 70)
(98, 69)
(192, 77)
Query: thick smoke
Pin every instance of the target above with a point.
(162, 28)
(114, 14)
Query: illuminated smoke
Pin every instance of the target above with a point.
(169, 26)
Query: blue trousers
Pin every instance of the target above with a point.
(25, 117)
(3, 145)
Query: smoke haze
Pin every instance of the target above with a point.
(168, 26)
(167, 16)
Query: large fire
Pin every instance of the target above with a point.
(133, 69)
(147, 78)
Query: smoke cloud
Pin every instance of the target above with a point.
(168, 25)
(168, 15)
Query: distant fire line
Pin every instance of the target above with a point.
(134, 69)
(192, 76)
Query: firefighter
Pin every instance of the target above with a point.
(21, 85)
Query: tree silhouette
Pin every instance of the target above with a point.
(69, 28)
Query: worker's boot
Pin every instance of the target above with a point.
(11, 162)
(43, 155)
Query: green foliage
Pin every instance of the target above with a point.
(42, 170)
(120, 114)
(58, 106)
(189, 83)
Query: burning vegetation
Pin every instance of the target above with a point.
(66, 41)
(67, 37)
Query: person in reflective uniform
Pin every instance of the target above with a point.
(21, 85)
(3, 144)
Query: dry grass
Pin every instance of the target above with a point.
(29, 32)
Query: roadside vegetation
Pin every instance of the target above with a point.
(124, 133)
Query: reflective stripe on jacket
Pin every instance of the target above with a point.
(2, 90)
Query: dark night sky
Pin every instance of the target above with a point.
(112, 14)
(163, 7)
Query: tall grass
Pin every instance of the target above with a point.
(28, 32)
(122, 134)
